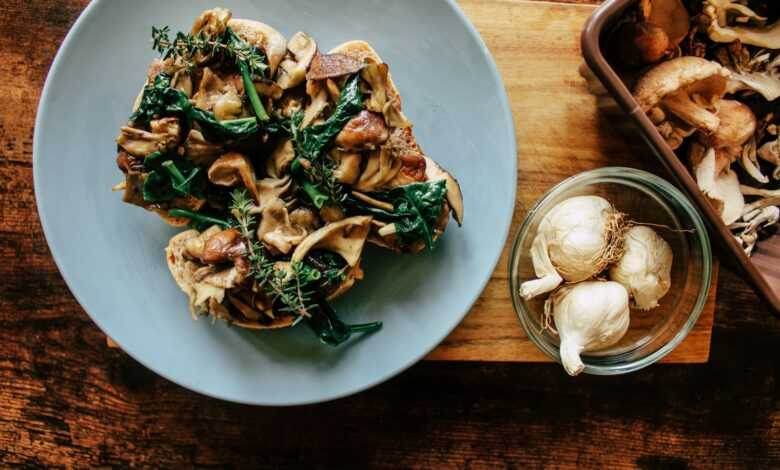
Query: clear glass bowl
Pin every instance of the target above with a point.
(646, 198)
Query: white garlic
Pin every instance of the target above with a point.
(575, 241)
(589, 316)
(645, 269)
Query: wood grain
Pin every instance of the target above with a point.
(67, 401)
(560, 132)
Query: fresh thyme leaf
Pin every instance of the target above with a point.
(240, 209)
(186, 46)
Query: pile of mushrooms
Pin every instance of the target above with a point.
(706, 73)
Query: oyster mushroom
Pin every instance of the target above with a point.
(759, 73)
(281, 158)
(688, 88)
(755, 221)
(276, 231)
(201, 151)
(770, 152)
(164, 136)
(270, 189)
(722, 188)
(434, 172)
(751, 28)
(214, 94)
(733, 139)
(263, 36)
(292, 71)
(319, 101)
(212, 22)
(362, 52)
(232, 169)
(345, 237)
(347, 166)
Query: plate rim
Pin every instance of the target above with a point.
(505, 224)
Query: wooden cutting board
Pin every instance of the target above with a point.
(559, 133)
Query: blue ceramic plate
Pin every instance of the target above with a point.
(111, 254)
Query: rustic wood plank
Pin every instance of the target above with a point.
(70, 402)
(560, 132)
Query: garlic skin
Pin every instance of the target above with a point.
(574, 242)
(589, 316)
(645, 269)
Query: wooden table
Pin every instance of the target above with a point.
(68, 401)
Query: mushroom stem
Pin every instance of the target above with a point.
(389, 229)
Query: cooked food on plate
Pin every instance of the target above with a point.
(280, 162)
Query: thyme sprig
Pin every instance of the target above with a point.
(187, 46)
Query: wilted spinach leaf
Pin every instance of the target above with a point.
(416, 209)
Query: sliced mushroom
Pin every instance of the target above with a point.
(688, 87)
(319, 101)
(293, 72)
(345, 237)
(232, 169)
(770, 152)
(276, 230)
(754, 222)
(367, 130)
(281, 158)
(434, 172)
(212, 22)
(216, 95)
(333, 65)
(376, 77)
(721, 188)
(164, 136)
(347, 166)
(199, 150)
(270, 189)
(271, 41)
(380, 169)
(361, 51)
(751, 28)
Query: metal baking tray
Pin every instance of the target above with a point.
(762, 270)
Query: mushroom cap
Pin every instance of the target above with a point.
(737, 125)
(673, 75)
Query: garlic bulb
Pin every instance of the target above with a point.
(645, 269)
(589, 316)
(576, 240)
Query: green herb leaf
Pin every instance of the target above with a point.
(311, 141)
(416, 209)
(331, 330)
